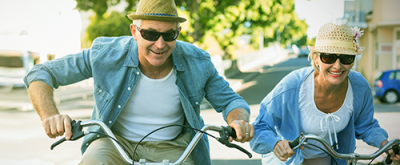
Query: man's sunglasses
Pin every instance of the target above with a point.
(154, 36)
(331, 58)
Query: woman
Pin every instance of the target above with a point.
(328, 99)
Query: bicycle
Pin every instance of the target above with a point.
(351, 158)
(224, 131)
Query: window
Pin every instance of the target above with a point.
(398, 75)
(398, 35)
(392, 75)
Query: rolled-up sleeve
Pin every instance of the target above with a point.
(221, 96)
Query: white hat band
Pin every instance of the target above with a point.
(343, 44)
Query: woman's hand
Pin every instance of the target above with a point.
(395, 157)
(283, 151)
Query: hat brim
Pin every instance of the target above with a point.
(335, 51)
(157, 18)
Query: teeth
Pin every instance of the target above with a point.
(336, 73)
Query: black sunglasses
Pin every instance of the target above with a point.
(154, 36)
(331, 58)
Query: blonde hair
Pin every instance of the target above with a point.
(312, 56)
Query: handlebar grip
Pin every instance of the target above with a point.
(225, 133)
(57, 143)
(77, 133)
(396, 151)
(294, 143)
(231, 132)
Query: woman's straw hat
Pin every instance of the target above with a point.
(160, 10)
(338, 39)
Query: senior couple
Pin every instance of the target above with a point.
(150, 79)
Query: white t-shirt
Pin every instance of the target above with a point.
(154, 103)
(314, 121)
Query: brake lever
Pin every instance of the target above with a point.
(77, 133)
(224, 139)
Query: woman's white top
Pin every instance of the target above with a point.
(153, 103)
(314, 121)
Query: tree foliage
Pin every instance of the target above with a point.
(225, 20)
(113, 24)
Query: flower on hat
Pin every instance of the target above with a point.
(357, 33)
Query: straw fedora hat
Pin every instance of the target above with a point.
(160, 10)
(338, 39)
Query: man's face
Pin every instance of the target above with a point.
(154, 53)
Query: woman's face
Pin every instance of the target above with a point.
(335, 73)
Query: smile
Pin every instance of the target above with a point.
(335, 73)
(157, 52)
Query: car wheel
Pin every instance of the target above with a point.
(391, 97)
(382, 100)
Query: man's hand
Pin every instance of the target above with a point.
(238, 119)
(57, 125)
(54, 123)
(244, 131)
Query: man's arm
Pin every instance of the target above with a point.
(54, 123)
(239, 120)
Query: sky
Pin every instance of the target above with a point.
(48, 30)
(318, 13)
(57, 29)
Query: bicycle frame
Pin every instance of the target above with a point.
(224, 133)
(351, 158)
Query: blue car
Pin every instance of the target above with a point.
(387, 86)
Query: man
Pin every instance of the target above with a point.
(141, 83)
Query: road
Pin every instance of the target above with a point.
(23, 141)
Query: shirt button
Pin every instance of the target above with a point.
(110, 121)
(197, 103)
(129, 88)
(137, 73)
(119, 106)
(87, 144)
(100, 91)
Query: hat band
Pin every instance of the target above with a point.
(159, 14)
(335, 43)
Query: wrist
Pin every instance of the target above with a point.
(383, 143)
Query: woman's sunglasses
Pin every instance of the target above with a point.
(331, 58)
(154, 36)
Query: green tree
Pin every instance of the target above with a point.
(100, 7)
(225, 20)
(113, 24)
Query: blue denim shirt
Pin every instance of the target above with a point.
(279, 117)
(113, 63)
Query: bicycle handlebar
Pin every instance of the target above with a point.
(224, 131)
(302, 139)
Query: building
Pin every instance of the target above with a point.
(380, 20)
